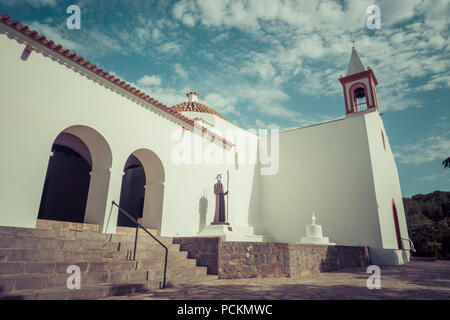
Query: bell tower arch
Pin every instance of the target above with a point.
(359, 87)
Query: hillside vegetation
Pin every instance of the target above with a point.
(428, 218)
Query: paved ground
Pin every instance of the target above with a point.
(415, 280)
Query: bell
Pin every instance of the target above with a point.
(359, 93)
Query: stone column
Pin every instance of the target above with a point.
(97, 196)
(153, 206)
(114, 192)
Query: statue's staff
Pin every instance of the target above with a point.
(228, 195)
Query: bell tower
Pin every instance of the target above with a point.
(359, 87)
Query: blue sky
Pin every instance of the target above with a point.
(268, 63)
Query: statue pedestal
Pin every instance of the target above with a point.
(233, 233)
(220, 223)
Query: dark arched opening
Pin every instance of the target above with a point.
(66, 186)
(77, 178)
(132, 193)
(360, 99)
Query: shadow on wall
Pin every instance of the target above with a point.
(254, 212)
(341, 257)
(202, 210)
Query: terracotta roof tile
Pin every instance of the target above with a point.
(196, 107)
(34, 35)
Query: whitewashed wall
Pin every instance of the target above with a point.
(41, 97)
(325, 168)
(387, 183)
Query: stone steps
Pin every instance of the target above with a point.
(86, 292)
(32, 268)
(84, 227)
(38, 255)
(97, 291)
(8, 232)
(44, 243)
(11, 283)
(70, 226)
(55, 287)
(132, 231)
(33, 264)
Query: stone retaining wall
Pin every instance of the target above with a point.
(205, 250)
(265, 259)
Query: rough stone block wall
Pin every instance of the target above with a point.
(253, 260)
(205, 250)
(231, 260)
(306, 259)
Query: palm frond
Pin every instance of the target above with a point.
(446, 163)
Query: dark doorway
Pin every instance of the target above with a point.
(66, 186)
(132, 193)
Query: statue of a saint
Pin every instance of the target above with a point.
(219, 216)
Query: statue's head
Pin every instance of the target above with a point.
(219, 177)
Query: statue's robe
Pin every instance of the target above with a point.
(219, 216)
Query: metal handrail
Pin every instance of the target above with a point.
(411, 245)
(138, 225)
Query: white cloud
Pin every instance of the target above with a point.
(152, 85)
(181, 10)
(56, 34)
(398, 10)
(434, 177)
(179, 70)
(220, 103)
(189, 20)
(260, 124)
(156, 34)
(423, 151)
(436, 81)
(221, 37)
(106, 42)
(170, 47)
(303, 38)
(166, 95)
(252, 54)
(33, 3)
(149, 81)
(260, 66)
(143, 34)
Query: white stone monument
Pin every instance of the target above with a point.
(314, 234)
(236, 233)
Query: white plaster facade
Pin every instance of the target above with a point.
(338, 169)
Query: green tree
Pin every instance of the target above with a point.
(428, 218)
(435, 247)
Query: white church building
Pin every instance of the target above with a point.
(75, 138)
